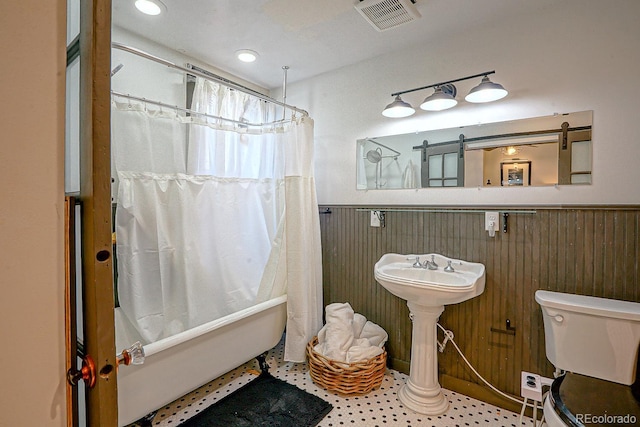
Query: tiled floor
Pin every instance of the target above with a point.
(379, 408)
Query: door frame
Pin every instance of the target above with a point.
(96, 225)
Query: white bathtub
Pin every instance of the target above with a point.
(179, 364)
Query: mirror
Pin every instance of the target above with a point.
(549, 150)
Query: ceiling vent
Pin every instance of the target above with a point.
(386, 14)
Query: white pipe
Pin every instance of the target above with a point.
(285, 68)
(449, 335)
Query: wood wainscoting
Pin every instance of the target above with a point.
(587, 250)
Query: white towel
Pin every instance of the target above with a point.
(337, 334)
(359, 321)
(362, 350)
(348, 336)
(409, 176)
(375, 334)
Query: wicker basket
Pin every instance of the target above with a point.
(345, 378)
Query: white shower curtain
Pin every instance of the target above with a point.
(228, 221)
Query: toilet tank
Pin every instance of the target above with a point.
(592, 336)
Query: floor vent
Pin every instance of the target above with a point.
(386, 14)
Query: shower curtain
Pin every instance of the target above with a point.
(214, 216)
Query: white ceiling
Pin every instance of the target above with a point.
(309, 36)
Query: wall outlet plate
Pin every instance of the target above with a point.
(375, 219)
(491, 221)
(531, 386)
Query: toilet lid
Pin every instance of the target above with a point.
(580, 400)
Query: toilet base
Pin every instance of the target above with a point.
(550, 416)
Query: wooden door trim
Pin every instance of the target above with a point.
(70, 318)
(95, 196)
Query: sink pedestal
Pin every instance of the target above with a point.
(427, 291)
(422, 392)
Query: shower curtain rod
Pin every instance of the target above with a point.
(194, 113)
(206, 76)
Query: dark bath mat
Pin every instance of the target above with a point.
(265, 401)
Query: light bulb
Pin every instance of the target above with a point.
(148, 7)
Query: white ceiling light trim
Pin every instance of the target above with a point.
(150, 7)
(247, 55)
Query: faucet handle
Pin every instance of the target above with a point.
(416, 262)
(133, 355)
(449, 268)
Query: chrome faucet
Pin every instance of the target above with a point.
(417, 263)
(431, 265)
(449, 268)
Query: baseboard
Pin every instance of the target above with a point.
(399, 365)
(467, 388)
(480, 392)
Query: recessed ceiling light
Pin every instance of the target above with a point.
(246, 55)
(150, 7)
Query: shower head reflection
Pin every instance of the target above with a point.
(374, 156)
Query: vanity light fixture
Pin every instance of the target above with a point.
(398, 108)
(486, 91)
(444, 96)
(150, 7)
(246, 55)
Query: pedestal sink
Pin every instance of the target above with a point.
(427, 290)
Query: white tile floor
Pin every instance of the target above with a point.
(378, 408)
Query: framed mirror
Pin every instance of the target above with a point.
(549, 150)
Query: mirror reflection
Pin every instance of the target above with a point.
(549, 150)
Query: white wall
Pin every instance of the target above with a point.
(145, 78)
(32, 79)
(543, 158)
(577, 55)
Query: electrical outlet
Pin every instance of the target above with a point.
(531, 386)
(375, 218)
(491, 221)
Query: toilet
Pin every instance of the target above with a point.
(595, 342)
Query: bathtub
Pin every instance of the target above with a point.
(176, 365)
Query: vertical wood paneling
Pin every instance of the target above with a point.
(632, 247)
(599, 260)
(628, 263)
(607, 286)
(584, 251)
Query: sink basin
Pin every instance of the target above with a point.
(427, 292)
(426, 287)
